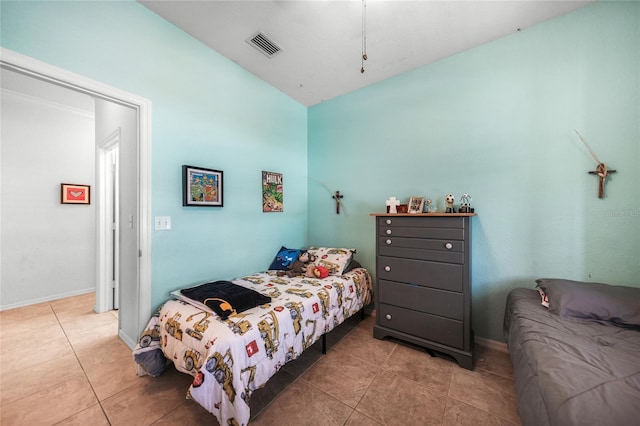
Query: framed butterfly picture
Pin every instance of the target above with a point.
(71, 193)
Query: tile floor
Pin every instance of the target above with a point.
(62, 364)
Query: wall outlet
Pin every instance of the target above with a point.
(163, 223)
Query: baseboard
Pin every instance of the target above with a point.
(47, 299)
(131, 344)
(491, 344)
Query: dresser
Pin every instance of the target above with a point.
(423, 281)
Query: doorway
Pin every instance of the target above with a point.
(137, 203)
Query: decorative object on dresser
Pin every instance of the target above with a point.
(448, 203)
(430, 208)
(465, 204)
(416, 204)
(392, 204)
(423, 281)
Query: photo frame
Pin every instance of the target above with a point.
(202, 187)
(71, 193)
(416, 204)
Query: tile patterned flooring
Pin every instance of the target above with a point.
(62, 364)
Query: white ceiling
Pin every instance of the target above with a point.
(322, 41)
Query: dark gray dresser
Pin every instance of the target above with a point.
(423, 282)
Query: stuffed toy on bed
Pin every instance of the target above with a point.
(300, 266)
(317, 271)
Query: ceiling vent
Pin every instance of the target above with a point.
(264, 45)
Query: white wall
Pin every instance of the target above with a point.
(48, 249)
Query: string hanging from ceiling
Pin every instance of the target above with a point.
(364, 34)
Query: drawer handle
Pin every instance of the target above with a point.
(388, 221)
(388, 316)
(387, 268)
(388, 231)
(388, 241)
(448, 246)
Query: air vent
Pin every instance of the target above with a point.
(264, 45)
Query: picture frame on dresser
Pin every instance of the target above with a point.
(416, 205)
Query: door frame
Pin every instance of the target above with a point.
(32, 67)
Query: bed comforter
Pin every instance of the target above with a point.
(571, 371)
(231, 358)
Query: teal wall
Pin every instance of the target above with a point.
(206, 111)
(498, 122)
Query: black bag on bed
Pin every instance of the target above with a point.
(225, 298)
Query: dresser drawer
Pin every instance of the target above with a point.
(437, 302)
(430, 222)
(421, 243)
(442, 330)
(410, 253)
(445, 276)
(415, 232)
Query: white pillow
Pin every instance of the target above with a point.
(334, 259)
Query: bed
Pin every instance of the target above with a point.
(232, 356)
(575, 350)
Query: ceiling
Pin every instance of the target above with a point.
(321, 42)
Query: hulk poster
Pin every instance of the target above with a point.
(272, 200)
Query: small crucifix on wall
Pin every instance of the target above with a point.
(338, 196)
(601, 170)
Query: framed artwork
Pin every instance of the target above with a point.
(272, 198)
(416, 204)
(202, 187)
(71, 193)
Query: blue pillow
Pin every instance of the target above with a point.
(285, 258)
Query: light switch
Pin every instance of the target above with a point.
(163, 223)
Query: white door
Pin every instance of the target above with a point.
(114, 216)
(108, 223)
(119, 223)
(117, 125)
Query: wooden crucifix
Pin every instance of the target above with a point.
(601, 170)
(338, 196)
(602, 173)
